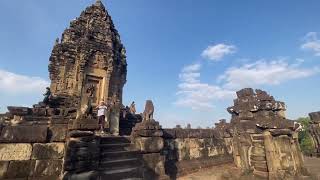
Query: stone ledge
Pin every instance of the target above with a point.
(189, 133)
(24, 134)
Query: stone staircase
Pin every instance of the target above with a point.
(119, 160)
(258, 156)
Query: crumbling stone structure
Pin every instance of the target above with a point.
(264, 141)
(314, 131)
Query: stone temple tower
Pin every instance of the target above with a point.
(90, 59)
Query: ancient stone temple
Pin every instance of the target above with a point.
(90, 59)
(55, 138)
(264, 141)
(58, 139)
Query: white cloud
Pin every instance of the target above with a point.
(195, 94)
(264, 73)
(12, 83)
(217, 52)
(193, 67)
(312, 43)
(201, 96)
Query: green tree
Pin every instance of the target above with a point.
(305, 139)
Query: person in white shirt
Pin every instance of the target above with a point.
(102, 111)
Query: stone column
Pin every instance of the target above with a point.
(114, 121)
(147, 137)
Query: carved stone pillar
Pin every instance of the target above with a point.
(147, 137)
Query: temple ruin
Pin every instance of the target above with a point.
(315, 132)
(57, 139)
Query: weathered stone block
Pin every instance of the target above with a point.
(20, 111)
(149, 144)
(245, 92)
(182, 133)
(53, 111)
(154, 163)
(315, 116)
(169, 133)
(47, 168)
(59, 120)
(3, 168)
(39, 111)
(9, 152)
(48, 151)
(206, 133)
(195, 153)
(194, 133)
(182, 148)
(38, 119)
(24, 134)
(58, 132)
(149, 133)
(77, 133)
(20, 169)
(215, 151)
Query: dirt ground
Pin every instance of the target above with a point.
(230, 172)
(313, 165)
(223, 172)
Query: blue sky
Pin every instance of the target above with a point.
(188, 56)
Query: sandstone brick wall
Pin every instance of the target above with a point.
(188, 150)
(32, 151)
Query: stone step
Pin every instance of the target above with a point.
(261, 174)
(116, 147)
(121, 163)
(254, 157)
(257, 137)
(258, 151)
(114, 139)
(116, 155)
(260, 165)
(82, 176)
(258, 141)
(123, 173)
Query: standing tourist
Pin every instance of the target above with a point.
(102, 111)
